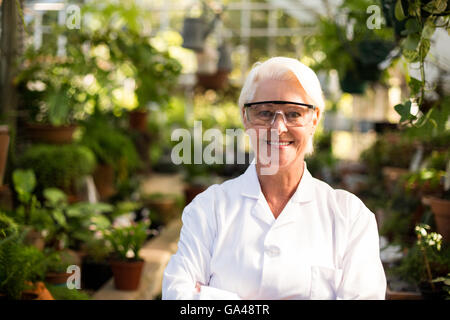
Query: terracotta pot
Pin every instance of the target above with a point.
(127, 274)
(57, 278)
(441, 211)
(104, 178)
(47, 133)
(215, 81)
(4, 144)
(138, 120)
(191, 191)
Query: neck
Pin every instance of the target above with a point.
(284, 183)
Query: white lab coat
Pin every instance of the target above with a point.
(323, 245)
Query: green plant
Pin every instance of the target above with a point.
(73, 224)
(389, 149)
(64, 293)
(8, 226)
(446, 284)
(110, 145)
(19, 265)
(127, 240)
(356, 57)
(58, 260)
(50, 86)
(426, 260)
(58, 166)
(415, 23)
(426, 180)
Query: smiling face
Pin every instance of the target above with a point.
(292, 141)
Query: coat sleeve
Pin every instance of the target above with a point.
(363, 273)
(191, 263)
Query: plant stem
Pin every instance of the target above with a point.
(430, 277)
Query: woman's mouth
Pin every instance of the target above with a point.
(279, 144)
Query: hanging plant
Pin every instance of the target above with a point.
(415, 23)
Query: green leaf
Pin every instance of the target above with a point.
(414, 85)
(404, 110)
(411, 42)
(24, 183)
(398, 11)
(59, 217)
(424, 48)
(412, 26)
(429, 29)
(411, 55)
(435, 6)
(55, 197)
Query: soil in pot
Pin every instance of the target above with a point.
(127, 274)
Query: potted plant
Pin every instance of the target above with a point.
(57, 262)
(95, 264)
(58, 166)
(439, 200)
(22, 266)
(126, 264)
(154, 72)
(115, 152)
(166, 206)
(50, 87)
(426, 260)
(356, 57)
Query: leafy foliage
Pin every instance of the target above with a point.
(19, 264)
(58, 166)
(110, 145)
(127, 240)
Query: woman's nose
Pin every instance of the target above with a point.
(279, 123)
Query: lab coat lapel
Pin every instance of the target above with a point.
(251, 188)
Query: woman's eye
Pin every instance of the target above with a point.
(293, 114)
(265, 113)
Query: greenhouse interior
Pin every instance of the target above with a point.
(117, 115)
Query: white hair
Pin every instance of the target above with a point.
(282, 68)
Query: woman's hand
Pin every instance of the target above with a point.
(198, 285)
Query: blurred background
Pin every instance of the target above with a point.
(93, 91)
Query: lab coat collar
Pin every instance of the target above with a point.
(251, 188)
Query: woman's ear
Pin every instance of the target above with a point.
(316, 117)
(244, 119)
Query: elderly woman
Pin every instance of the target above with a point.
(277, 234)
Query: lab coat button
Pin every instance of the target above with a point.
(272, 251)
